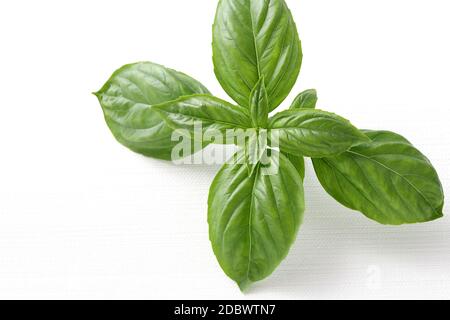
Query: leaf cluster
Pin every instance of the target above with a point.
(254, 217)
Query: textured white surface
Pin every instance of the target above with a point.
(82, 217)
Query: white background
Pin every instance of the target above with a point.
(83, 217)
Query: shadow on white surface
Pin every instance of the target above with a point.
(339, 249)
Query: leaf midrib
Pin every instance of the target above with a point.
(237, 125)
(250, 223)
(398, 174)
(349, 181)
(258, 68)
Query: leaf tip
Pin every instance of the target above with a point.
(244, 285)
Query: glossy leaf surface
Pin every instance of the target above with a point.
(253, 221)
(388, 180)
(314, 133)
(259, 105)
(255, 38)
(305, 100)
(127, 100)
(254, 148)
(213, 114)
(298, 162)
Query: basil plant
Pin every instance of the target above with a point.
(254, 216)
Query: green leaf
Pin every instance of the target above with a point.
(255, 38)
(388, 180)
(254, 220)
(305, 100)
(314, 133)
(127, 100)
(259, 105)
(298, 162)
(254, 148)
(213, 114)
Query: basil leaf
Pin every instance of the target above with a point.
(255, 148)
(388, 180)
(254, 220)
(214, 114)
(314, 133)
(306, 100)
(127, 99)
(298, 162)
(255, 38)
(259, 105)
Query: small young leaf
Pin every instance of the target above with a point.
(127, 100)
(314, 133)
(387, 179)
(305, 100)
(259, 105)
(254, 220)
(298, 162)
(254, 148)
(255, 38)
